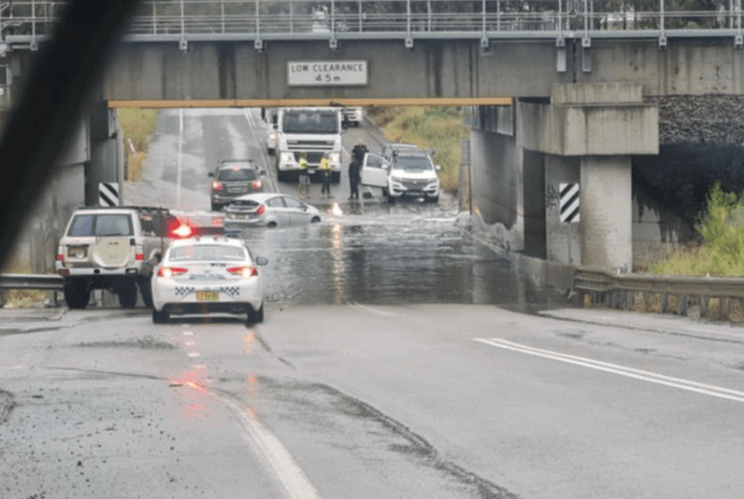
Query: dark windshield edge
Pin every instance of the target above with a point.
(54, 94)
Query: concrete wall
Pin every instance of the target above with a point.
(657, 230)
(37, 244)
(533, 165)
(452, 68)
(497, 187)
(563, 239)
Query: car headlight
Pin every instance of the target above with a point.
(335, 157)
(271, 136)
(287, 157)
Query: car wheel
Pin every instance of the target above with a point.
(256, 317)
(432, 199)
(271, 225)
(77, 293)
(390, 199)
(161, 317)
(127, 293)
(315, 220)
(145, 285)
(336, 177)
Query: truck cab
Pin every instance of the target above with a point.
(313, 132)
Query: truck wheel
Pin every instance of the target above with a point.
(281, 176)
(127, 293)
(77, 293)
(145, 285)
(336, 177)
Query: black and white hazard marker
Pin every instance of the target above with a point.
(569, 203)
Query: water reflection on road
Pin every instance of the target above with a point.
(380, 254)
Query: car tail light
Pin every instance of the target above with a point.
(171, 271)
(243, 271)
(139, 255)
(217, 222)
(256, 184)
(261, 209)
(216, 186)
(60, 254)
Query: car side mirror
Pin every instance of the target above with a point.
(262, 172)
(261, 261)
(385, 166)
(210, 174)
(437, 167)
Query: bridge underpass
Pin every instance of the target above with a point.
(604, 75)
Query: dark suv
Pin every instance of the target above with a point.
(233, 178)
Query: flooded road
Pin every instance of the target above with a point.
(407, 253)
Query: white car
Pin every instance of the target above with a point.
(269, 210)
(409, 173)
(353, 116)
(272, 140)
(205, 275)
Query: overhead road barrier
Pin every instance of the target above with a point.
(211, 103)
(666, 294)
(24, 23)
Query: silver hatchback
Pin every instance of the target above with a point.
(269, 210)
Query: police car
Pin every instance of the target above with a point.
(208, 274)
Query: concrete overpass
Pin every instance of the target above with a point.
(579, 76)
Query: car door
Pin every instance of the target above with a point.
(374, 170)
(297, 210)
(278, 211)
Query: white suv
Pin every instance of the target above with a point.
(409, 173)
(111, 248)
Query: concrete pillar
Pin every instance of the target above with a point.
(606, 212)
(106, 164)
(563, 240)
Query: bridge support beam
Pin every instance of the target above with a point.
(589, 133)
(106, 151)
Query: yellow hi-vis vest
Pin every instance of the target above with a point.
(303, 164)
(325, 164)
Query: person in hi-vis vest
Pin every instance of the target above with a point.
(325, 175)
(304, 177)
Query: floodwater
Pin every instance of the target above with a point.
(407, 253)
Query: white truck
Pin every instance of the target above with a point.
(312, 131)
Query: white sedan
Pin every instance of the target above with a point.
(269, 209)
(205, 275)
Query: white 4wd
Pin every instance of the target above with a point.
(111, 248)
(410, 173)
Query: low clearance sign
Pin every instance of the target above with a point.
(326, 73)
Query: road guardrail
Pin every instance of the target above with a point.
(46, 282)
(619, 290)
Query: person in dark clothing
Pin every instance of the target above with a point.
(359, 151)
(354, 178)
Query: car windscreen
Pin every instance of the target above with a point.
(310, 122)
(207, 253)
(413, 163)
(237, 174)
(101, 225)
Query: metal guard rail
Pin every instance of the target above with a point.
(29, 21)
(50, 282)
(592, 280)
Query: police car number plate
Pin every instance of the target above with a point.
(207, 295)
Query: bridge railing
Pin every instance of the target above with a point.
(30, 20)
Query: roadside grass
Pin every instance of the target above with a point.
(21, 298)
(721, 228)
(138, 125)
(431, 128)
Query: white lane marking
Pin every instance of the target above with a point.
(189, 343)
(194, 354)
(286, 468)
(629, 372)
(188, 333)
(264, 152)
(372, 310)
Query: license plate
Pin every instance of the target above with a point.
(207, 295)
(241, 217)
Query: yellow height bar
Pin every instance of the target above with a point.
(441, 101)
